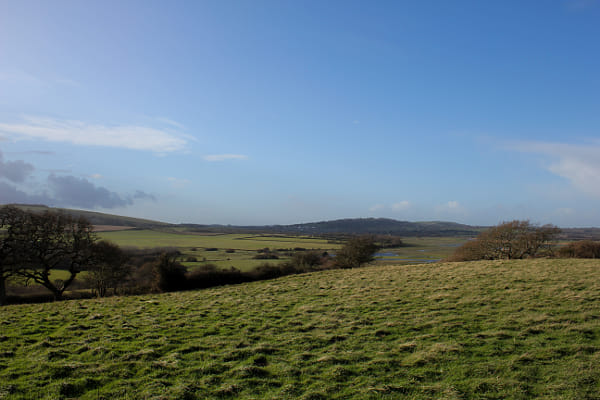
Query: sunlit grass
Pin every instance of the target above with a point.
(518, 329)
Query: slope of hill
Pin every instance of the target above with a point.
(379, 226)
(502, 329)
(97, 218)
(384, 226)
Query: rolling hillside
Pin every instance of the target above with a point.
(356, 226)
(98, 218)
(494, 330)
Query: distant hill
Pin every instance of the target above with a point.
(357, 226)
(383, 226)
(97, 218)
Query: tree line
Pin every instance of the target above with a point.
(33, 245)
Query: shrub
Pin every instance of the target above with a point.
(581, 249)
(356, 252)
(266, 256)
(169, 274)
(308, 259)
(209, 275)
(509, 240)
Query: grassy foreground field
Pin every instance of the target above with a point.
(494, 330)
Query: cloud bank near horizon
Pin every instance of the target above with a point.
(60, 190)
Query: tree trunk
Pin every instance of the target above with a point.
(2, 289)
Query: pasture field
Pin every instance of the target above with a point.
(244, 246)
(416, 251)
(153, 238)
(480, 330)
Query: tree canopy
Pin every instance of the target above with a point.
(35, 244)
(357, 251)
(508, 240)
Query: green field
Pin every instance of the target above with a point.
(245, 246)
(479, 330)
(152, 238)
(417, 249)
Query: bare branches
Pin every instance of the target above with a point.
(35, 244)
(509, 240)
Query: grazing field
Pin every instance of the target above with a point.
(417, 250)
(223, 250)
(493, 330)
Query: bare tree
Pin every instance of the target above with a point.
(52, 241)
(108, 268)
(509, 240)
(10, 219)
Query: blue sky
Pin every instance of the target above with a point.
(276, 112)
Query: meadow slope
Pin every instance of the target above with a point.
(500, 329)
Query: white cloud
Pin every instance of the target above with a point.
(401, 206)
(377, 207)
(579, 164)
(451, 207)
(224, 157)
(84, 134)
(169, 121)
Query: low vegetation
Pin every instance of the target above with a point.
(34, 246)
(509, 240)
(515, 329)
(581, 249)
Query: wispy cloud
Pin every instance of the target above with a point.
(377, 207)
(579, 164)
(401, 205)
(23, 79)
(452, 207)
(171, 122)
(81, 133)
(224, 157)
(20, 77)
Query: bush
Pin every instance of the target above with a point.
(308, 259)
(509, 240)
(169, 274)
(209, 275)
(581, 249)
(266, 256)
(356, 252)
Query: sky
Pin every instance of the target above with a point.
(280, 112)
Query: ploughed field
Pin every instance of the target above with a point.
(490, 329)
